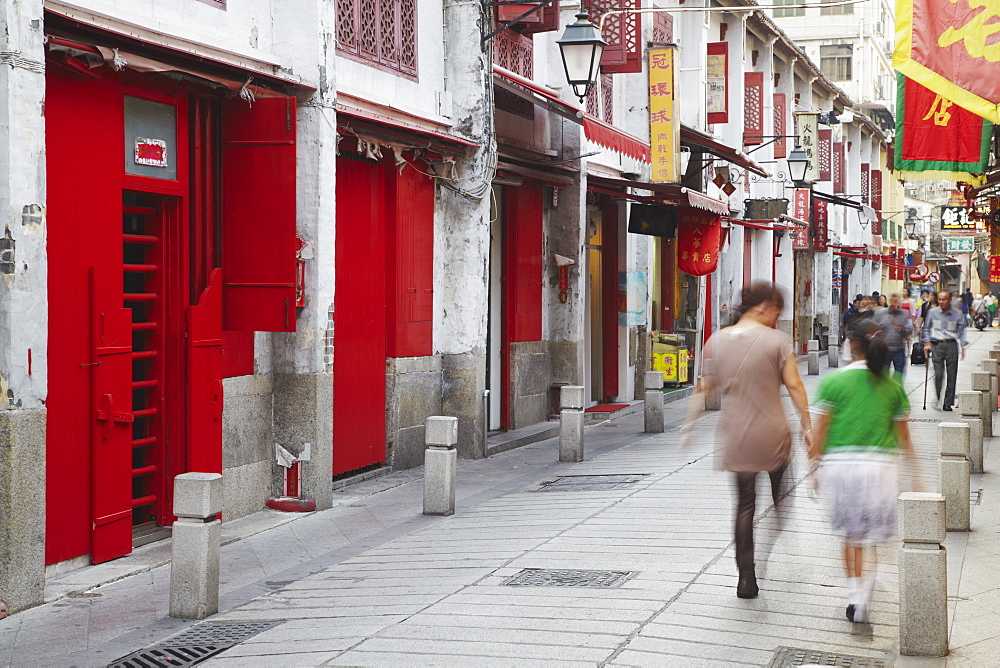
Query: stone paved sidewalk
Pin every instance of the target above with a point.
(373, 582)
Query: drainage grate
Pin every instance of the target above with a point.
(198, 643)
(589, 483)
(925, 420)
(544, 577)
(787, 657)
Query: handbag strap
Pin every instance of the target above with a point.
(732, 380)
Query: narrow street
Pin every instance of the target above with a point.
(373, 582)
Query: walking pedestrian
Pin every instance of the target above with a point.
(861, 426)
(990, 301)
(944, 340)
(749, 361)
(897, 328)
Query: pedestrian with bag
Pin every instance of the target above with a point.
(861, 428)
(749, 361)
(944, 340)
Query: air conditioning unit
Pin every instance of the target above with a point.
(880, 28)
(889, 47)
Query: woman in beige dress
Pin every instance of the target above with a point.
(748, 362)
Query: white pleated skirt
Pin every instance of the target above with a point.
(861, 489)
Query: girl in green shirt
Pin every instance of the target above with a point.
(862, 426)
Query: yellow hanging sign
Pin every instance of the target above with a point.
(664, 128)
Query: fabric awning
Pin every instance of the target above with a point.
(702, 201)
(617, 140)
(729, 154)
(661, 191)
(412, 130)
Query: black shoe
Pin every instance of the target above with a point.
(747, 586)
(850, 612)
(947, 408)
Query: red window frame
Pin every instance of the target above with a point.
(825, 154)
(623, 32)
(398, 54)
(780, 120)
(720, 49)
(753, 108)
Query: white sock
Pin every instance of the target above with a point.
(853, 591)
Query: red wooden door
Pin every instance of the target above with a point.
(609, 300)
(111, 429)
(359, 348)
(204, 370)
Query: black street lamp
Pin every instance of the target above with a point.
(581, 48)
(798, 165)
(910, 225)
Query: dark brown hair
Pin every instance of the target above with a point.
(759, 292)
(867, 335)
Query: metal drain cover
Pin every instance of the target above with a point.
(925, 420)
(544, 577)
(198, 643)
(590, 483)
(788, 657)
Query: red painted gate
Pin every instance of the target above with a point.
(359, 349)
(204, 359)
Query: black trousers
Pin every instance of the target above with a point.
(945, 358)
(746, 485)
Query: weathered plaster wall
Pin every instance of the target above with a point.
(412, 394)
(23, 307)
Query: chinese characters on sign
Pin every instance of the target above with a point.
(819, 224)
(959, 244)
(718, 98)
(699, 234)
(151, 152)
(995, 269)
(664, 131)
(808, 127)
(956, 218)
(800, 210)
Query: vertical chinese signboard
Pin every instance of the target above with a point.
(995, 269)
(717, 73)
(664, 131)
(800, 210)
(808, 127)
(820, 229)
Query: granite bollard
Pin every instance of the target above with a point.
(923, 575)
(992, 367)
(440, 464)
(982, 383)
(571, 423)
(812, 345)
(653, 405)
(953, 473)
(713, 399)
(195, 546)
(833, 351)
(970, 406)
(812, 362)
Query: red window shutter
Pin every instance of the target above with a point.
(524, 261)
(753, 109)
(623, 33)
(864, 183)
(258, 215)
(837, 167)
(876, 192)
(780, 113)
(825, 145)
(549, 20)
(663, 28)
(204, 395)
(411, 267)
(237, 354)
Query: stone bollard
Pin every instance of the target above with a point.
(982, 383)
(440, 464)
(923, 575)
(654, 402)
(970, 406)
(992, 367)
(812, 345)
(195, 546)
(571, 423)
(713, 399)
(833, 351)
(812, 362)
(995, 355)
(953, 473)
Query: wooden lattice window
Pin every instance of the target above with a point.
(837, 167)
(663, 28)
(864, 183)
(608, 98)
(780, 113)
(623, 33)
(825, 145)
(876, 194)
(514, 52)
(382, 33)
(753, 108)
(593, 102)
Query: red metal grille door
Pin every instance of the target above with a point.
(111, 444)
(359, 348)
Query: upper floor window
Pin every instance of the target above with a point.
(840, 9)
(382, 33)
(835, 61)
(779, 13)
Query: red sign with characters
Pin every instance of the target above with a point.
(821, 232)
(800, 210)
(699, 235)
(995, 269)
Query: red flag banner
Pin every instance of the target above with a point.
(699, 234)
(821, 232)
(950, 46)
(995, 269)
(800, 210)
(933, 134)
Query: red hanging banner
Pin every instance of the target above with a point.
(995, 269)
(821, 234)
(699, 236)
(800, 210)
